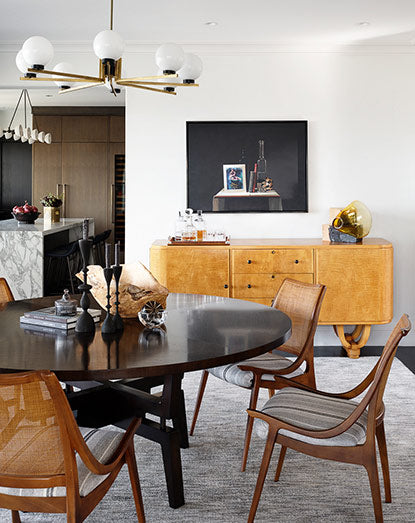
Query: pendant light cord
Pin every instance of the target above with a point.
(112, 14)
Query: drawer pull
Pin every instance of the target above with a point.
(272, 276)
(272, 252)
(296, 261)
(225, 286)
(249, 285)
(249, 261)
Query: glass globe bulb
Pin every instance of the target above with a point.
(37, 51)
(191, 69)
(355, 219)
(63, 67)
(169, 57)
(21, 62)
(108, 45)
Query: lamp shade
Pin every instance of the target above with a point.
(18, 131)
(48, 138)
(170, 57)
(34, 134)
(355, 219)
(63, 67)
(41, 136)
(21, 62)
(8, 134)
(191, 69)
(37, 50)
(108, 45)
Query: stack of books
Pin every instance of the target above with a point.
(47, 318)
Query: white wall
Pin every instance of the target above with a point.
(361, 112)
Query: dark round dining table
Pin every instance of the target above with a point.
(199, 332)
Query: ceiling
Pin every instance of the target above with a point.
(240, 22)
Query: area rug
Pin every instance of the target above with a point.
(309, 490)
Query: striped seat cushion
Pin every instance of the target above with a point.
(312, 411)
(102, 444)
(244, 378)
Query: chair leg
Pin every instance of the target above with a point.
(280, 462)
(271, 392)
(135, 482)
(380, 436)
(250, 423)
(15, 516)
(372, 471)
(266, 458)
(202, 386)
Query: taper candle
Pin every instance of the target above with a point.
(107, 254)
(117, 254)
(85, 229)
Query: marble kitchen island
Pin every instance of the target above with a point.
(23, 247)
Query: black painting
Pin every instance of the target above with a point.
(211, 145)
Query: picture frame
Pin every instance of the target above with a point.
(234, 178)
(274, 153)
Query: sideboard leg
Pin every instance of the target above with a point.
(354, 341)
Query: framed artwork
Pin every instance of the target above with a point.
(247, 166)
(234, 178)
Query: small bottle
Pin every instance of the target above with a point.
(190, 230)
(261, 163)
(200, 225)
(179, 228)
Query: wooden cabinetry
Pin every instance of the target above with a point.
(359, 277)
(80, 162)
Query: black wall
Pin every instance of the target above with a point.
(15, 175)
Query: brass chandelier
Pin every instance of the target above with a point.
(178, 69)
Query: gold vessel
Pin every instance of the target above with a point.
(51, 215)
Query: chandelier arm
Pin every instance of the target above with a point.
(170, 84)
(140, 78)
(79, 87)
(147, 88)
(15, 109)
(71, 75)
(47, 79)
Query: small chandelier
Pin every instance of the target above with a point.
(177, 69)
(25, 134)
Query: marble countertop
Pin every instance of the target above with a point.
(39, 226)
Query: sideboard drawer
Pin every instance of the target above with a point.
(262, 285)
(273, 260)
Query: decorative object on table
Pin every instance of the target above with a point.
(85, 321)
(355, 221)
(211, 240)
(333, 212)
(48, 318)
(136, 286)
(25, 213)
(266, 185)
(234, 178)
(66, 306)
(117, 270)
(108, 325)
(152, 315)
(178, 68)
(25, 134)
(51, 208)
(272, 149)
(189, 232)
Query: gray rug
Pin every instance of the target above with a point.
(309, 490)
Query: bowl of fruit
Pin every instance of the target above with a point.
(25, 213)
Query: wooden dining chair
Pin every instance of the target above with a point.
(302, 303)
(5, 291)
(331, 426)
(47, 463)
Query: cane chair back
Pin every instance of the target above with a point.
(5, 291)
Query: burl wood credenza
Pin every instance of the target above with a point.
(359, 277)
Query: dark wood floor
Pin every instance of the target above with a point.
(405, 354)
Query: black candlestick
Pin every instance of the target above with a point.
(85, 322)
(108, 325)
(118, 323)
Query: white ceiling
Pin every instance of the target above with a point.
(240, 22)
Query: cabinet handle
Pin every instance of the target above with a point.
(249, 261)
(64, 199)
(272, 252)
(225, 286)
(296, 261)
(113, 203)
(272, 276)
(249, 285)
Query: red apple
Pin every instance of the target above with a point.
(34, 208)
(19, 210)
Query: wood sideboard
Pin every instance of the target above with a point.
(359, 277)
